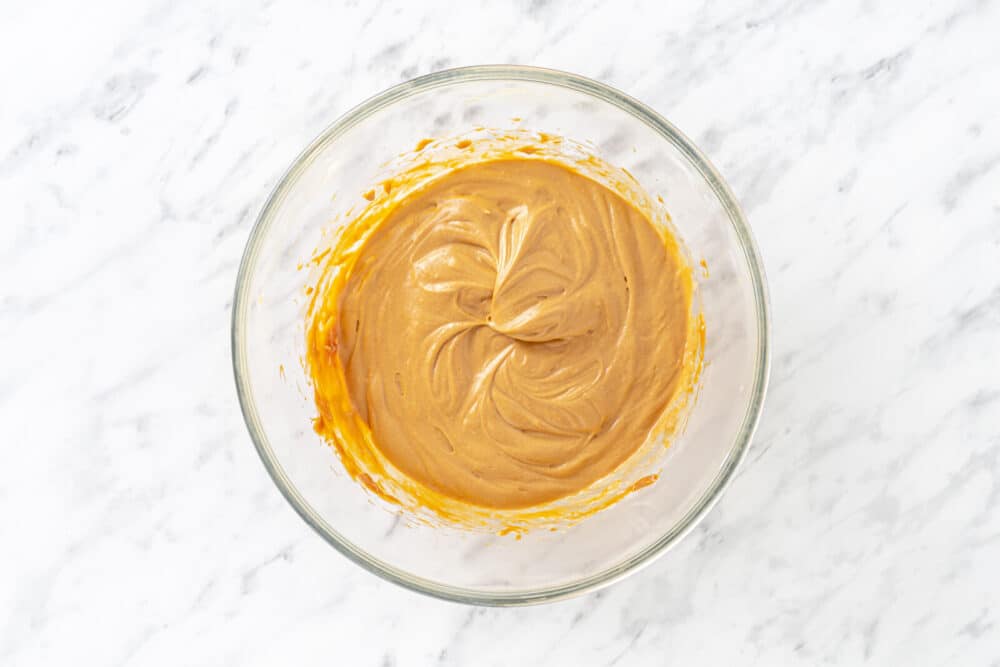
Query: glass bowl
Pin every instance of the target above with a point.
(452, 562)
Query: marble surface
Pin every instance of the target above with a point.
(138, 140)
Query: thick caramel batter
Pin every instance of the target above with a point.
(510, 333)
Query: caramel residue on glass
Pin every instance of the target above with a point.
(422, 144)
(507, 530)
(318, 257)
(471, 356)
(643, 482)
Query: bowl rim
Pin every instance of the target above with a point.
(741, 443)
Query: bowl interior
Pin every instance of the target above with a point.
(268, 337)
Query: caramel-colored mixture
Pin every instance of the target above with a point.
(511, 332)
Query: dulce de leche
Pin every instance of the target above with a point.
(509, 333)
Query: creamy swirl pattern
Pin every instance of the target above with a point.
(512, 332)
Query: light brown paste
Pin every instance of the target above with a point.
(508, 334)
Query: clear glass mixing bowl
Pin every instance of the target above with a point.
(455, 563)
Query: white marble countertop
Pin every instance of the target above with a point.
(138, 140)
